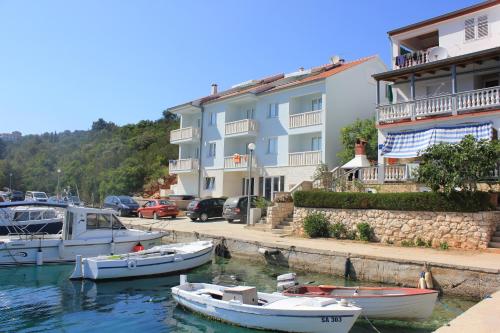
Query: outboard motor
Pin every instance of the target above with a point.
(286, 281)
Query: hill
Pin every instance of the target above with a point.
(108, 159)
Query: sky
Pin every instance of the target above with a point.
(64, 64)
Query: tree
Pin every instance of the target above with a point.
(169, 116)
(3, 149)
(323, 175)
(360, 129)
(458, 167)
(102, 124)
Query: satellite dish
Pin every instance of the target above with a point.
(438, 53)
(335, 59)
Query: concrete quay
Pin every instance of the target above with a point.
(455, 272)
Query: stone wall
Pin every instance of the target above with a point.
(458, 230)
(278, 212)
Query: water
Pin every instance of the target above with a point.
(42, 299)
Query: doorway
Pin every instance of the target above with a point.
(271, 185)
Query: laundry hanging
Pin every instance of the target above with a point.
(413, 143)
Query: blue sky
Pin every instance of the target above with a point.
(64, 64)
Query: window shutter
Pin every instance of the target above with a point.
(469, 29)
(482, 26)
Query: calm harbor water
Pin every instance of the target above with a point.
(42, 299)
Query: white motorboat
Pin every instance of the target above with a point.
(161, 259)
(30, 220)
(376, 302)
(246, 307)
(88, 232)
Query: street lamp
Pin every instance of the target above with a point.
(10, 183)
(251, 148)
(58, 174)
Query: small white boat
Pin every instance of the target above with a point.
(246, 307)
(30, 220)
(376, 302)
(161, 259)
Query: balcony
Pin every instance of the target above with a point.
(392, 173)
(187, 134)
(462, 102)
(241, 127)
(304, 158)
(183, 165)
(412, 59)
(233, 163)
(310, 118)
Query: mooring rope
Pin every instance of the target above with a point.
(371, 324)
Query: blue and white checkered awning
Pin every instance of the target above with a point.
(412, 144)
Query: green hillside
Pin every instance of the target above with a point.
(106, 159)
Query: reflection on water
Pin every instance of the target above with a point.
(42, 299)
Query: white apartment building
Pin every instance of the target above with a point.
(293, 119)
(445, 84)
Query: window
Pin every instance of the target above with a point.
(209, 183)
(272, 111)
(316, 143)
(317, 104)
(272, 145)
(211, 149)
(213, 119)
(197, 152)
(469, 29)
(250, 113)
(482, 26)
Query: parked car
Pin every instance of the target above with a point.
(181, 200)
(204, 209)
(36, 196)
(17, 196)
(123, 204)
(235, 208)
(158, 208)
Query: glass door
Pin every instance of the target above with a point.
(271, 185)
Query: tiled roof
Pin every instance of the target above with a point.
(278, 82)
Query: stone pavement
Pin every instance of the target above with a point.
(476, 260)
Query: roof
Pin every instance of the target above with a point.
(278, 81)
(447, 16)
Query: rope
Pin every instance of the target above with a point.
(369, 322)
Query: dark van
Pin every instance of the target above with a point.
(235, 208)
(204, 209)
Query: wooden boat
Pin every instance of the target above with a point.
(376, 302)
(161, 259)
(246, 307)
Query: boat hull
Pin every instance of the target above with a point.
(131, 267)
(404, 303)
(56, 250)
(320, 320)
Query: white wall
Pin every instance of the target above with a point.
(187, 183)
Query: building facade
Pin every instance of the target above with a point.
(11, 137)
(444, 84)
(293, 119)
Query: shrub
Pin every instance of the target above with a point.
(420, 242)
(365, 231)
(351, 234)
(316, 225)
(406, 243)
(338, 230)
(420, 201)
(443, 245)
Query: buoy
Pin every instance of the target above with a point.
(132, 264)
(39, 257)
(138, 247)
(421, 281)
(428, 280)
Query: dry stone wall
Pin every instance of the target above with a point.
(458, 230)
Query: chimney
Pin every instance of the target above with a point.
(213, 90)
(360, 147)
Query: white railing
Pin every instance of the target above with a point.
(412, 59)
(309, 118)
(452, 103)
(304, 158)
(230, 162)
(188, 164)
(369, 174)
(395, 173)
(434, 105)
(186, 133)
(241, 126)
(395, 111)
(479, 98)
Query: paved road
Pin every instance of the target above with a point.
(220, 228)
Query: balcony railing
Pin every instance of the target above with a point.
(392, 173)
(240, 162)
(452, 104)
(185, 134)
(241, 127)
(304, 158)
(183, 165)
(305, 119)
(412, 59)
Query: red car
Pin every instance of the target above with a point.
(158, 208)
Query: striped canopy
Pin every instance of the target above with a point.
(413, 143)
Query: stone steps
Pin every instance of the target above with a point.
(495, 239)
(494, 245)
